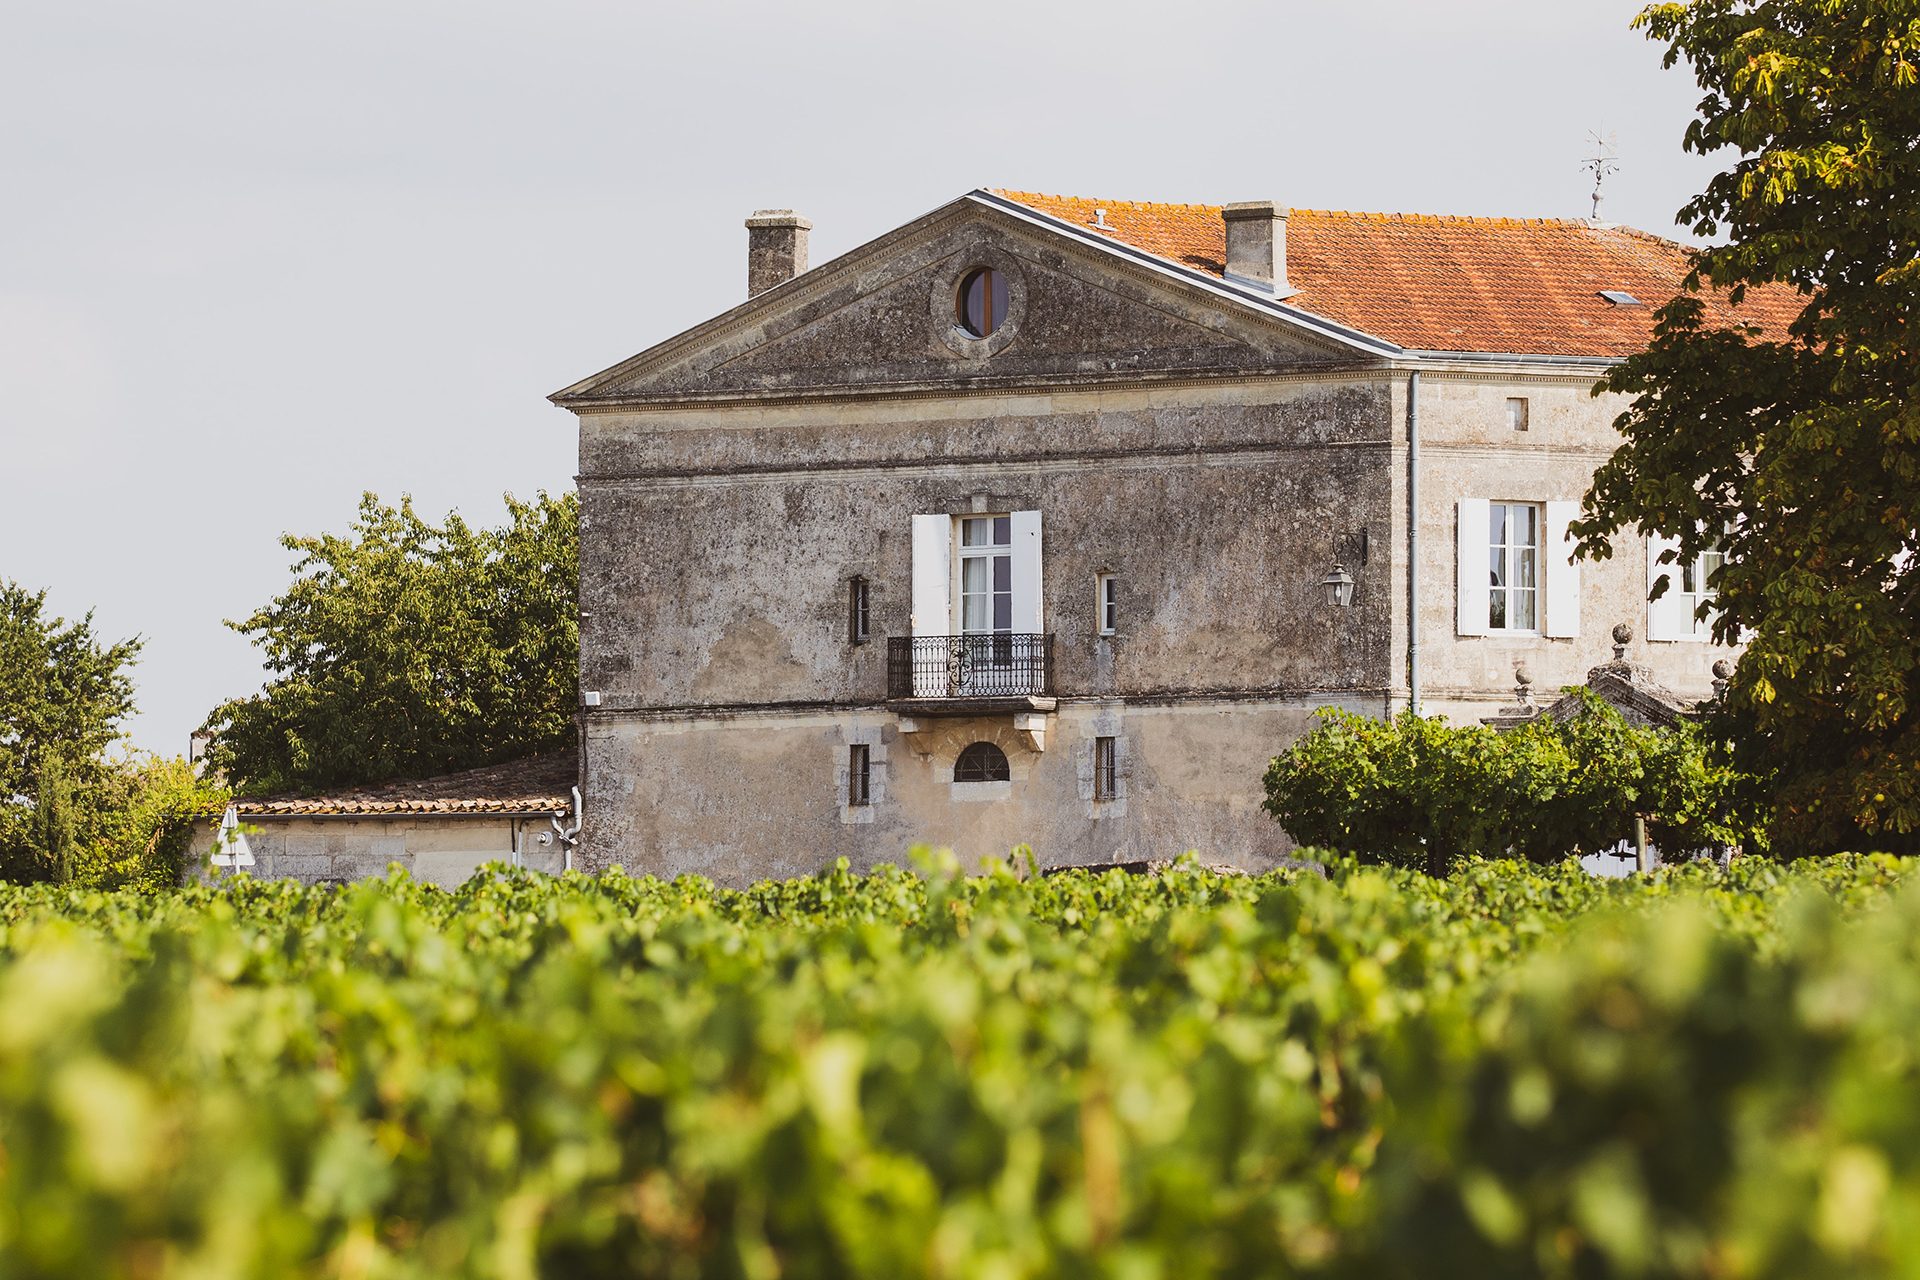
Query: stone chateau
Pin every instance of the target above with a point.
(1050, 520)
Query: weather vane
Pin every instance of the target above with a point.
(1605, 160)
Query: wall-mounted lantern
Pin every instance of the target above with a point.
(1339, 585)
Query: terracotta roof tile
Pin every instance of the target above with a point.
(532, 784)
(1523, 286)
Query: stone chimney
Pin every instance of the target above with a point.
(1257, 246)
(776, 248)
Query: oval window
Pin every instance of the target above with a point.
(982, 302)
(981, 762)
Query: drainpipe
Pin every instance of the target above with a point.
(568, 835)
(1413, 541)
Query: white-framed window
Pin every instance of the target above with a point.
(1513, 566)
(1517, 412)
(1517, 574)
(978, 575)
(1676, 614)
(1106, 602)
(986, 575)
(1696, 587)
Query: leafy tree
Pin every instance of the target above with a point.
(63, 694)
(140, 824)
(1418, 792)
(407, 648)
(1801, 450)
(52, 829)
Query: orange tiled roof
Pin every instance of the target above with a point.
(529, 785)
(1523, 286)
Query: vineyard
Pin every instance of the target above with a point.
(1517, 1072)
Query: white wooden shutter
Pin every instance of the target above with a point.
(932, 575)
(1562, 585)
(1473, 576)
(1666, 617)
(1026, 573)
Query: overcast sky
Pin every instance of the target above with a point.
(257, 257)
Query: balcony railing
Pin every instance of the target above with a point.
(1000, 665)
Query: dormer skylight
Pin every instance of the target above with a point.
(1620, 298)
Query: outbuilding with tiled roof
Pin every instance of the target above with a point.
(440, 829)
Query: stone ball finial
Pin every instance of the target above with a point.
(1722, 679)
(1522, 685)
(1521, 675)
(1622, 633)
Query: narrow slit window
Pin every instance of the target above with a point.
(859, 775)
(1107, 602)
(857, 614)
(1517, 413)
(1106, 769)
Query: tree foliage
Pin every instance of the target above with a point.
(1800, 450)
(63, 694)
(137, 824)
(1419, 792)
(406, 648)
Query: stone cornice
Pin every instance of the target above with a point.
(1356, 371)
(1272, 695)
(956, 388)
(1585, 453)
(1518, 369)
(1137, 458)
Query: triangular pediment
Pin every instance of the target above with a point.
(884, 316)
(1638, 700)
(1628, 687)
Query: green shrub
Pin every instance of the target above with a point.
(1419, 792)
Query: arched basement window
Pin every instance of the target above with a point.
(981, 762)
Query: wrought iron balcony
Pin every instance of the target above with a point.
(1001, 667)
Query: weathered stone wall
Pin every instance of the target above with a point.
(715, 572)
(729, 588)
(440, 850)
(744, 796)
(1469, 451)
